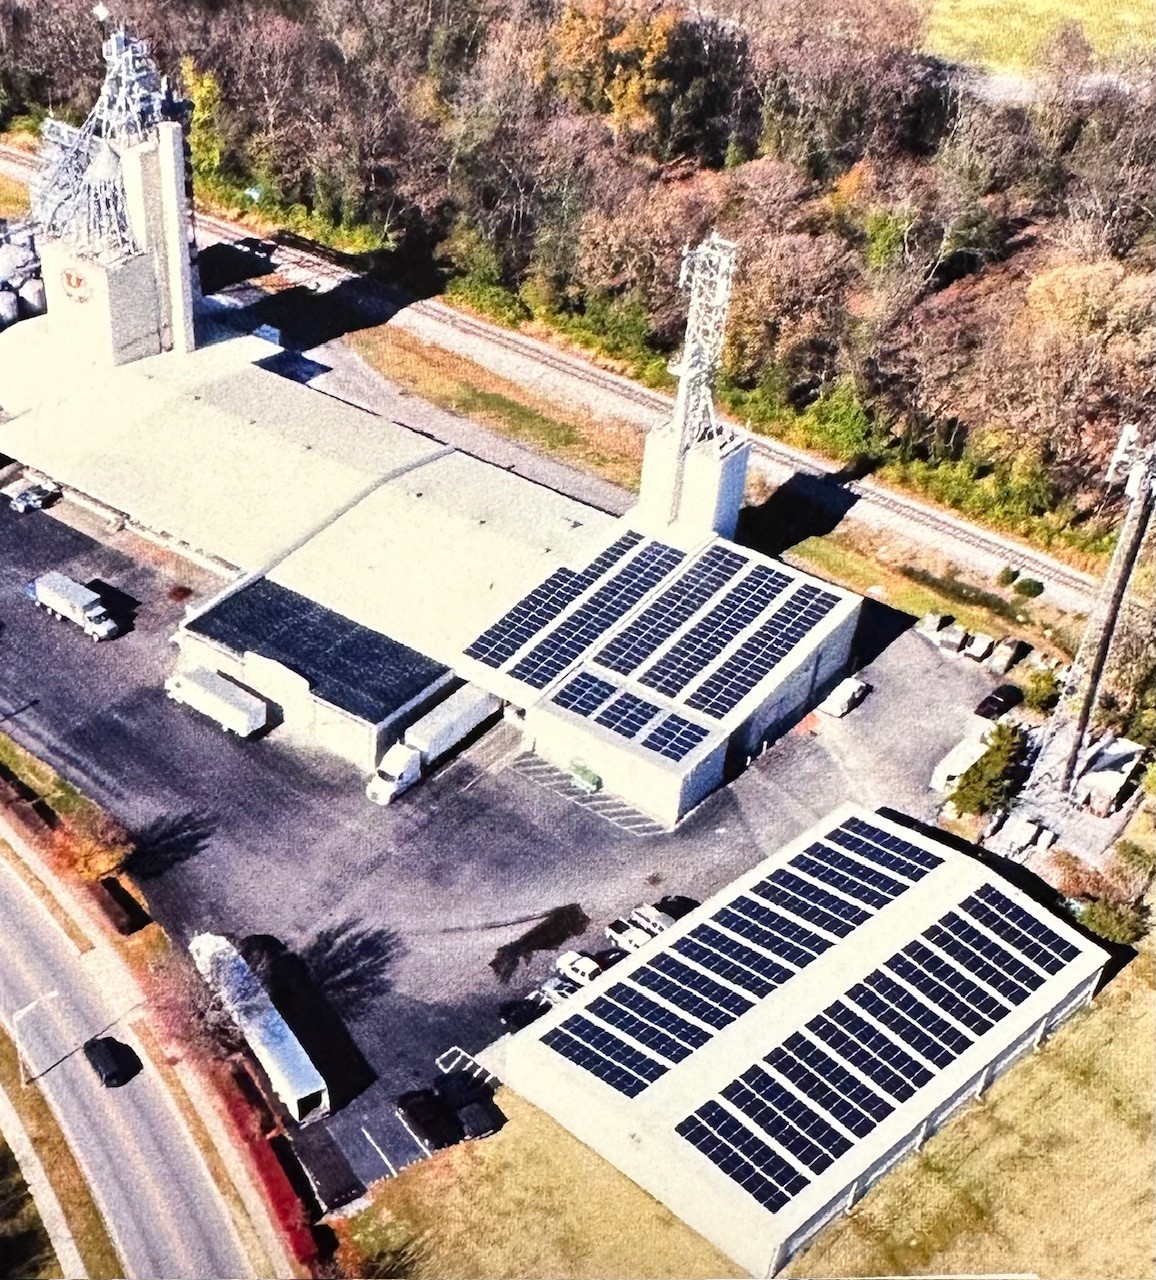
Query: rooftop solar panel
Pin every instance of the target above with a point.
(1015, 969)
(735, 1166)
(674, 737)
(584, 694)
(943, 997)
(1028, 923)
(718, 964)
(582, 1055)
(714, 991)
(951, 976)
(858, 1055)
(541, 606)
(820, 1092)
(711, 635)
(847, 1083)
(763, 1157)
(658, 1015)
(646, 1033)
(851, 877)
(726, 687)
(660, 620)
(774, 891)
(1003, 928)
(837, 905)
(614, 1048)
(896, 994)
(881, 857)
(590, 621)
(911, 851)
(772, 1123)
(795, 1110)
(976, 965)
(627, 714)
(683, 997)
(903, 1028)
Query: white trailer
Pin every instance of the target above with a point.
(427, 740)
(64, 598)
(235, 709)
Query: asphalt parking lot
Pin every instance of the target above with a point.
(282, 842)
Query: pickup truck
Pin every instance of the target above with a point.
(63, 598)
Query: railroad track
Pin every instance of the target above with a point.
(322, 270)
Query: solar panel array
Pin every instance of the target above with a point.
(730, 683)
(790, 1116)
(499, 643)
(749, 947)
(591, 620)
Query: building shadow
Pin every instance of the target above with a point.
(879, 626)
(222, 265)
(803, 507)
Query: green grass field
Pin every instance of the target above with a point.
(1007, 35)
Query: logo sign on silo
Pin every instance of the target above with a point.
(76, 284)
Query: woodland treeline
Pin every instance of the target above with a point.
(952, 279)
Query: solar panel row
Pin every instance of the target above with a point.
(730, 683)
(711, 635)
(897, 844)
(541, 606)
(1028, 923)
(591, 620)
(660, 620)
(627, 714)
(737, 1167)
(584, 694)
(674, 737)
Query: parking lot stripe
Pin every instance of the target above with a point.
(384, 1158)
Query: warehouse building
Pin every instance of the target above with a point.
(759, 1102)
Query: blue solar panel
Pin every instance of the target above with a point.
(1028, 923)
(584, 694)
(735, 1166)
(778, 946)
(851, 876)
(610, 1072)
(872, 1066)
(876, 1042)
(895, 993)
(882, 857)
(976, 965)
(638, 1029)
(710, 636)
(947, 973)
(885, 839)
(759, 961)
(591, 620)
(721, 966)
(722, 996)
(795, 1110)
(674, 737)
(627, 714)
(940, 995)
(774, 891)
(725, 688)
(771, 1122)
(660, 620)
(991, 951)
(630, 998)
(923, 1044)
(838, 1077)
(764, 1158)
(1003, 928)
(782, 925)
(820, 1093)
(614, 1048)
(852, 912)
(538, 609)
(683, 998)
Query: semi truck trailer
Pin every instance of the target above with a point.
(64, 598)
(427, 740)
(233, 708)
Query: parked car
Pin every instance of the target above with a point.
(625, 934)
(610, 956)
(516, 1014)
(472, 1101)
(114, 1063)
(33, 498)
(650, 918)
(1000, 701)
(430, 1118)
(677, 905)
(579, 968)
(558, 989)
(846, 695)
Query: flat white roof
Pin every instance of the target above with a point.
(732, 1066)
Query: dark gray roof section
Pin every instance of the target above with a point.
(347, 665)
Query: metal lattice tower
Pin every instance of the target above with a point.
(708, 271)
(80, 194)
(1050, 788)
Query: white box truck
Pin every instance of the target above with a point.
(427, 740)
(64, 598)
(233, 708)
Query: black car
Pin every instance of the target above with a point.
(1000, 701)
(610, 956)
(114, 1063)
(516, 1014)
(677, 905)
(473, 1103)
(430, 1118)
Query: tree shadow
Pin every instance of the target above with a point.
(350, 962)
(168, 841)
(803, 507)
(555, 928)
(222, 265)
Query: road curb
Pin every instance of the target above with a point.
(40, 1188)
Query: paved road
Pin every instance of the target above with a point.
(568, 379)
(157, 1197)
